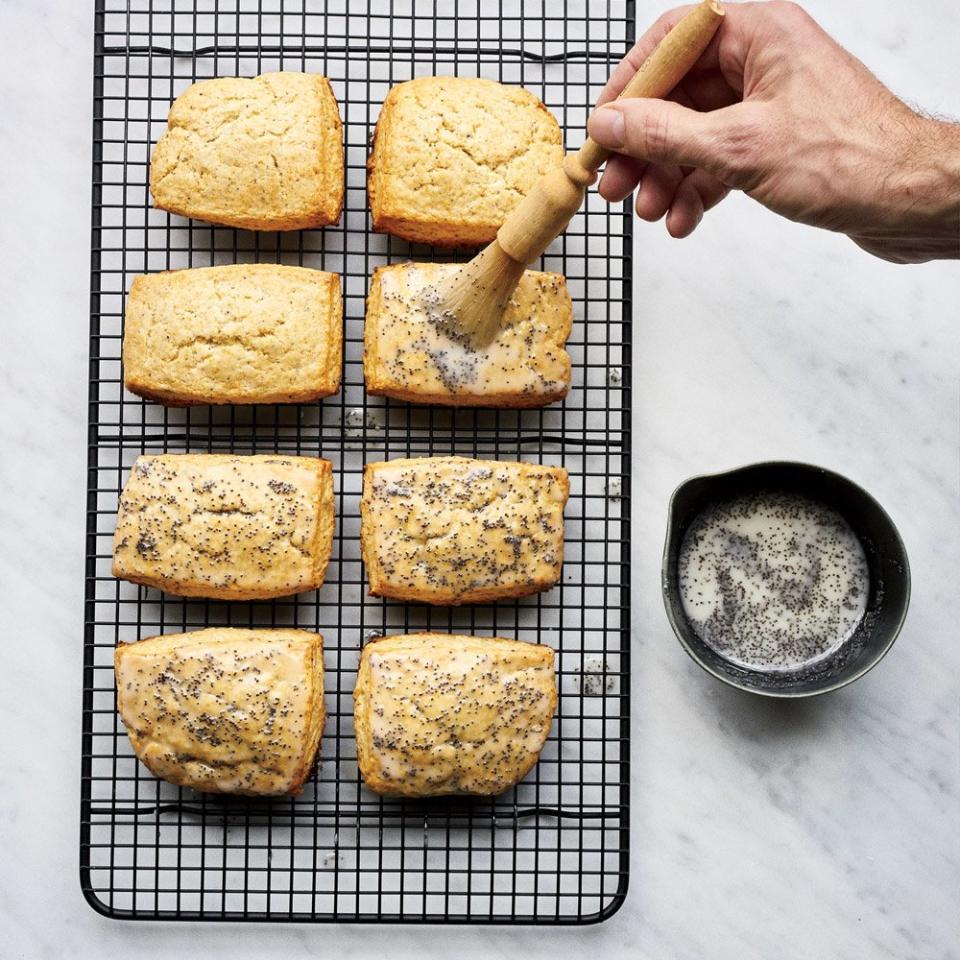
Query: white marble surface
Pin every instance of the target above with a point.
(828, 828)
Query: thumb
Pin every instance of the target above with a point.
(661, 131)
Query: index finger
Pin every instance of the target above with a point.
(642, 49)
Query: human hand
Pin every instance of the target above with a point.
(779, 110)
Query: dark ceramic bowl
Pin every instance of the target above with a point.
(886, 558)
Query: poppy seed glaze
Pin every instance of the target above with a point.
(772, 581)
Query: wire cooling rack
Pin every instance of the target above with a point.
(552, 850)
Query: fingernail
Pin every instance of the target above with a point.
(606, 127)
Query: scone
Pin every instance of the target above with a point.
(408, 356)
(224, 526)
(452, 156)
(243, 333)
(448, 530)
(437, 714)
(263, 153)
(225, 710)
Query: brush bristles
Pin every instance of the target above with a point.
(470, 305)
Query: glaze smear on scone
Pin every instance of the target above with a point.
(411, 357)
(226, 527)
(449, 530)
(225, 710)
(438, 714)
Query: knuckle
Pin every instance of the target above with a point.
(651, 134)
(787, 12)
(740, 149)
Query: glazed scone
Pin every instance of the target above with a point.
(449, 530)
(225, 527)
(243, 333)
(225, 710)
(263, 153)
(452, 156)
(437, 714)
(410, 357)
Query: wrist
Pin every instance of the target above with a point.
(924, 200)
(934, 186)
(913, 211)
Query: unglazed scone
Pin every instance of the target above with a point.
(263, 153)
(449, 530)
(242, 333)
(225, 710)
(225, 527)
(408, 355)
(452, 156)
(437, 714)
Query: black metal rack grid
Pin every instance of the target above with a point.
(554, 849)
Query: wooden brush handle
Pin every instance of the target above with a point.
(666, 66)
(547, 209)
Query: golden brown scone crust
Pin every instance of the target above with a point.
(263, 153)
(450, 530)
(408, 357)
(452, 156)
(437, 714)
(243, 333)
(225, 710)
(225, 527)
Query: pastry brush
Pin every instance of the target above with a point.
(469, 306)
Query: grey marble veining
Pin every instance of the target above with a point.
(797, 830)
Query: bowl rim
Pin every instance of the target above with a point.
(782, 694)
